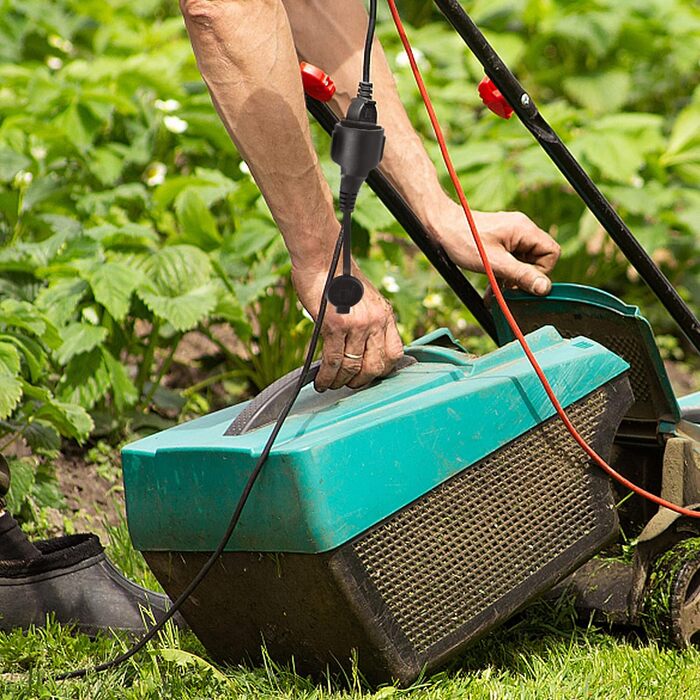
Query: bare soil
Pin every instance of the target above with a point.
(91, 499)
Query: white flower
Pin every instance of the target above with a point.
(90, 315)
(23, 178)
(167, 105)
(155, 174)
(54, 63)
(403, 62)
(433, 301)
(637, 182)
(243, 167)
(390, 284)
(175, 124)
(61, 44)
(38, 152)
(462, 324)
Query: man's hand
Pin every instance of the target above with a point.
(521, 254)
(368, 333)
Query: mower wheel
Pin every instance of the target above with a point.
(672, 600)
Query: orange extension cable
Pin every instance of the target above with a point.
(499, 295)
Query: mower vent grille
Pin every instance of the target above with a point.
(462, 547)
(628, 347)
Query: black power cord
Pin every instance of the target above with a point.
(357, 149)
(357, 146)
(368, 41)
(206, 568)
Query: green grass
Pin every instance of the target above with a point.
(541, 655)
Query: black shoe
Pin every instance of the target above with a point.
(74, 581)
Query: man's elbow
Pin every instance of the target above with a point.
(203, 12)
(209, 12)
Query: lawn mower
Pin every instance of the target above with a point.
(394, 525)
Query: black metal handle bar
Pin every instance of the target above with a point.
(524, 106)
(414, 227)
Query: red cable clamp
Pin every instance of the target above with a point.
(491, 96)
(317, 84)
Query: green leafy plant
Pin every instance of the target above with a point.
(128, 221)
(28, 407)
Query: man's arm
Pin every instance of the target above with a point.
(246, 55)
(330, 34)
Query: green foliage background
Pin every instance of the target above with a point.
(127, 219)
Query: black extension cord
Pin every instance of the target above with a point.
(366, 72)
(357, 146)
(349, 292)
(206, 568)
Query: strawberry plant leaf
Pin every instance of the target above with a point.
(210, 185)
(176, 286)
(20, 314)
(69, 419)
(42, 437)
(176, 270)
(86, 380)
(61, 299)
(32, 353)
(25, 316)
(185, 311)
(112, 286)
(601, 93)
(11, 163)
(10, 394)
(22, 482)
(123, 390)
(253, 236)
(79, 338)
(9, 359)
(197, 225)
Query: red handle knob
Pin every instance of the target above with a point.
(491, 96)
(317, 84)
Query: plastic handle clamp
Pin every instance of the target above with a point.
(317, 84)
(491, 96)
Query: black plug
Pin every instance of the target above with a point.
(357, 146)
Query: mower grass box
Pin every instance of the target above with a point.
(398, 522)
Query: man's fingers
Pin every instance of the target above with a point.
(384, 350)
(394, 344)
(331, 359)
(353, 358)
(529, 256)
(373, 362)
(523, 275)
(533, 245)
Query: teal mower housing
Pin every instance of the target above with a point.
(393, 525)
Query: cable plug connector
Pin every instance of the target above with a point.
(363, 108)
(357, 145)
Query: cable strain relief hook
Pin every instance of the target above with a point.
(347, 200)
(365, 90)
